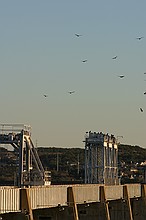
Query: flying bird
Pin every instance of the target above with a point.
(71, 92)
(115, 57)
(141, 109)
(78, 35)
(45, 96)
(121, 76)
(84, 61)
(139, 38)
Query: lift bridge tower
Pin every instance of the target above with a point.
(30, 169)
(101, 158)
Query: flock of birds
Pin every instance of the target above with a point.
(114, 58)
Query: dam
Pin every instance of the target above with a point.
(101, 197)
(74, 202)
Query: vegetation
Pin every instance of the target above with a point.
(130, 153)
(67, 164)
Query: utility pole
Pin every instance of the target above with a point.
(78, 165)
(57, 165)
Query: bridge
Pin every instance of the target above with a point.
(74, 202)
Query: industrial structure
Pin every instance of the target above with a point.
(69, 202)
(74, 202)
(101, 158)
(30, 170)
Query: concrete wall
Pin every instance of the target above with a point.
(50, 196)
(85, 201)
(9, 199)
(134, 190)
(14, 216)
(114, 192)
(86, 192)
(118, 211)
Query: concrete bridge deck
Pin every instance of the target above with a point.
(85, 201)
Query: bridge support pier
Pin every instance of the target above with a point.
(102, 198)
(72, 203)
(25, 205)
(127, 200)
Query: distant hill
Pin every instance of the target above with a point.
(66, 164)
(130, 153)
(126, 153)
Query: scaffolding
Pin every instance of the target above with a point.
(101, 158)
(30, 169)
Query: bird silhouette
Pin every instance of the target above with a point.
(115, 57)
(78, 35)
(71, 92)
(139, 38)
(45, 96)
(121, 76)
(141, 109)
(84, 61)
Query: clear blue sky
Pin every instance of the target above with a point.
(40, 54)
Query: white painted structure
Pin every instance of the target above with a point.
(101, 158)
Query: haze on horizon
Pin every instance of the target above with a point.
(41, 61)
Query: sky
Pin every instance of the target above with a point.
(40, 54)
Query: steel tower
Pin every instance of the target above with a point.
(30, 169)
(101, 158)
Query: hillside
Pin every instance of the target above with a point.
(67, 164)
(130, 153)
(126, 153)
